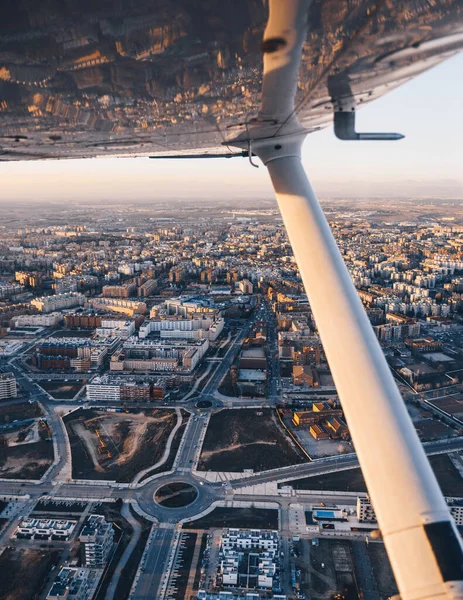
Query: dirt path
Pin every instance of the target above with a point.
(166, 454)
(208, 453)
(133, 442)
(17, 464)
(86, 438)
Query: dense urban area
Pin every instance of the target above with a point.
(169, 426)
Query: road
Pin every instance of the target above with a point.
(190, 443)
(56, 483)
(155, 566)
(366, 582)
(58, 428)
(322, 466)
(125, 512)
(224, 366)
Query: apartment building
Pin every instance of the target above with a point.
(8, 388)
(48, 304)
(96, 540)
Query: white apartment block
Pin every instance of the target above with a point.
(245, 539)
(8, 387)
(113, 327)
(456, 510)
(365, 511)
(45, 528)
(10, 289)
(100, 389)
(150, 355)
(208, 326)
(96, 541)
(48, 304)
(248, 558)
(119, 305)
(185, 306)
(75, 583)
(203, 595)
(43, 320)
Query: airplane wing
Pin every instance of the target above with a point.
(153, 77)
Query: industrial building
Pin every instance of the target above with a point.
(253, 358)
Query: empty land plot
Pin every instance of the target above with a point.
(352, 480)
(15, 563)
(19, 434)
(382, 571)
(330, 570)
(453, 405)
(116, 446)
(431, 429)
(62, 390)
(19, 412)
(247, 439)
(167, 466)
(26, 461)
(62, 507)
(245, 518)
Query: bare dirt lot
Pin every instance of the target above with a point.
(62, 390)
(23, 410)
(25, 461)
(431, 429)
(246, 518)
(15, 563)
(116, 446)
(382, 571)
(352, 480)
(22, 434)
(330, 570)
(167, 466)
(247, 439)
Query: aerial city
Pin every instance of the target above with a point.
(169, 423)
(215, 384)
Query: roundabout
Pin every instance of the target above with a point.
(177, 494)
(203, 404)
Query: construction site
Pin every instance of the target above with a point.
(116, 445)
(26, 450)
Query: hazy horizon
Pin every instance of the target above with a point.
(427, 163)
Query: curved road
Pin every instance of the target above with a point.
(125, 512)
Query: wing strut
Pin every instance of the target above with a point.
(421, 539)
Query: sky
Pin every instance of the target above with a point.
(427, 163)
